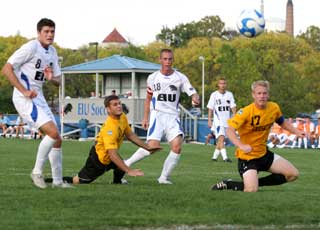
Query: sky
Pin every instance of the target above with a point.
(79, 22)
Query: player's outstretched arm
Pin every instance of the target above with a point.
(136, 140)
(289, 127)
(116, 159)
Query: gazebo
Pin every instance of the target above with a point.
(120, 73)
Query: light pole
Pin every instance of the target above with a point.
(201, 58)
(96, 45)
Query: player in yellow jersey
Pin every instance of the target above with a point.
(253, 124)
(104, 155)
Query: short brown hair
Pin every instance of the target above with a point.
(45, 22)
(110, 98)
(165, 50)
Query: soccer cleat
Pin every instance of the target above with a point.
(163, 181)
(124, 181)
(222, 185)
(62, 185)
(227, 160)
(38, 180)
(214, 160)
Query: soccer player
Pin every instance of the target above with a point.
(309, 128)
(162, 101)
(103, 155)
(27, 69)
(253, 124)
(221, 104)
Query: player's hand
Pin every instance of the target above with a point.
(209, 123)
(48, 73)
(245, 148)
(30, 94)
(145, 124)
(195, 99)
(135, 172)
(154, 149)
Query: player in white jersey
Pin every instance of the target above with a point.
(162, 102)
(221, 104)
(27, 69)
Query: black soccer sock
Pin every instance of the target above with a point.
(235, 185)
(67, 179)
(272, 179)
(117, 176)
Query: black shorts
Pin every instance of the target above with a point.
(94, 168)
(259, 164)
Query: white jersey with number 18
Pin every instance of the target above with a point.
(166, 91)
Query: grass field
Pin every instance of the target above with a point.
(144, 204)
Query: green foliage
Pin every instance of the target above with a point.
(312, 36)
(209, 26)
(143, 204)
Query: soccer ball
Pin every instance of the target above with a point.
(251, 23)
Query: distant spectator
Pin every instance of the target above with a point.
(6, 125)
(310, 131)
(317, 132)
(2, 124)
(92, 95)
(19, 127)
(113, 92)
(299, 124)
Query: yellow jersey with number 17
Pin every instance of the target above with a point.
(253, 126)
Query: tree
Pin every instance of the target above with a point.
(209, 26)
(312, 36)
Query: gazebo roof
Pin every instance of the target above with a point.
(112, 64)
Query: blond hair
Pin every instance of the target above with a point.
(261, 83)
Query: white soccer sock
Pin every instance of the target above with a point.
(224, 154)
(216, 153)
(55, 158)
(42, 154)
(169, 164)
(137, 156)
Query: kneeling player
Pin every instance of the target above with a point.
(253, 124)
(104, 155)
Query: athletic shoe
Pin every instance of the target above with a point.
(222, 185)
(38, 180)
(62, 185)
(214, 160)
(124, 181)
(163, 181)
(227, 160)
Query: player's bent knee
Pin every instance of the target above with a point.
(292, 176)
(250, 189)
